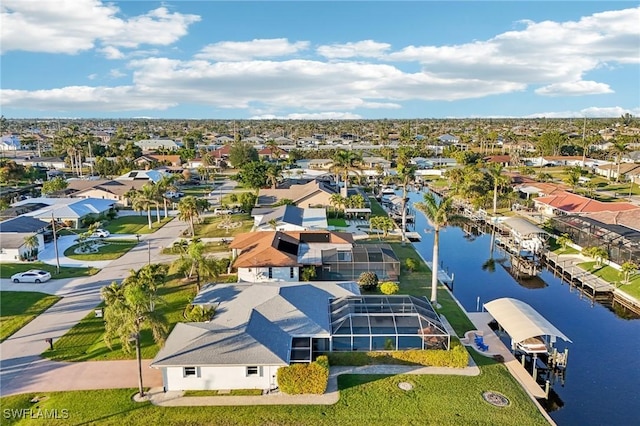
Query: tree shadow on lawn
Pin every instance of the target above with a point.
(346, 381)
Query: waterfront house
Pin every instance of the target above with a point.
(311, 194)
(563, 203)
(289, 218)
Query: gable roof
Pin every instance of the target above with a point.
(254, 323)
(573, 203)
(297, 193)
(22, 224)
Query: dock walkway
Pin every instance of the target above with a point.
(443, 277)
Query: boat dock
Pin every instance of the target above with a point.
(481, 321)
(443, 277)
(565, 266)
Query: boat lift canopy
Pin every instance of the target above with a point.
(521, 321)
(525, 229)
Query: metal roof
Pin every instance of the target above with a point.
(520, 320)
(523, 227)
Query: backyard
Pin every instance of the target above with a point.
(18, 308)
(613, 276)
(8, 269)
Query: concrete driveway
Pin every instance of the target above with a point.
(21, 367)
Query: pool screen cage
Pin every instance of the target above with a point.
(378, 323)
(621, 243)
(345, 265)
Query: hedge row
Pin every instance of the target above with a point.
(304, 378)
(457, 357)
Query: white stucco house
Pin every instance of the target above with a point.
(261, 327)
(68, 210)
(13, 233)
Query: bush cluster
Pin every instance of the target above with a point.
(304, 378)
(457, 357)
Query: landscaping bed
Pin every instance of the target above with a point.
(102, 249)
(212, 226)
(457, 357)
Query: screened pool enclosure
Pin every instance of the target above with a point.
(370, 323)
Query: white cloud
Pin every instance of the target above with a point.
(92, 76)
(329, 115)
(116, 73)
(246, 50)
(111, 52)
(363, 49)
(72, 26)
(574, 88)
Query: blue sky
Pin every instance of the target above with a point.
(319, 60)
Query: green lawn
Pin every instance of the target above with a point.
(614, 277)
(623, 189)
(18, 308)
(209, 227)
(8, 269)
(136, 224)
(337, 222)
(112, 250)
(376, 208)
(84, 341)
(364, 400)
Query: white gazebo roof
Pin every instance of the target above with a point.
(520, 320)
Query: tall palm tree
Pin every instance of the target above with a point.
(144, 199)
(129, 307)
(188, 211)
(437, 213)
(345, 162)
(194, 261)
(620, 147)
(498, 179)
(32, 244)
(273, 174)
(406, 175)
(337, 200)
(165, 184)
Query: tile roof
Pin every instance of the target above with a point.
(628, 218)
(573, 203)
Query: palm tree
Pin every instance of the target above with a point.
(498, 179)
(129, 307)
(193, 261)
(273, 174)
(166, 183)
(32, 244)
(406, 175)
(619, 148)
(188, 211)
(438, 214)
(345, 162)
(143, 200)
(273, 224)
(337, 200)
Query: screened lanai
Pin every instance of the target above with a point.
(345, 265)
(622, 243)
(369, 323)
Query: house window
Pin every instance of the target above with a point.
(291, 272)
(270, 272)
(189, 371)
(252, 371)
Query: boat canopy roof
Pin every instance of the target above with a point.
(524, 228)
(520, 320)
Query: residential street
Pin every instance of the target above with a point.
(22, 369)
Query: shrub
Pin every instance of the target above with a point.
(308, 273)
(411, 264)
(368, 281)
(304, 378)
(457, 357)
(389, 287)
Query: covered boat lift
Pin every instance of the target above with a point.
(526, 234)
(529, 331)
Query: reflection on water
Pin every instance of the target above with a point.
(604, 358)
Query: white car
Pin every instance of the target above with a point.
(220, 212)
(100, 233)
(31, 276)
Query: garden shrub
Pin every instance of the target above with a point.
(304, 378)
(411, 264)
(389, 287)
(457, 357)
(368, 281)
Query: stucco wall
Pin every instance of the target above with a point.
(262, 274)
(225, 377)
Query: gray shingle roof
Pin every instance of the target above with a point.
(253, 324)
(22, 224)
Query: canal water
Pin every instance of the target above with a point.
(602, 381)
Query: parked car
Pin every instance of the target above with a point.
(100, 233)
(220, 212)
(174, 194)
(31, 276)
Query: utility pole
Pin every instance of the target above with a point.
(149, 250)
(55, 243)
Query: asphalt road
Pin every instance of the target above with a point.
(21, 367)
